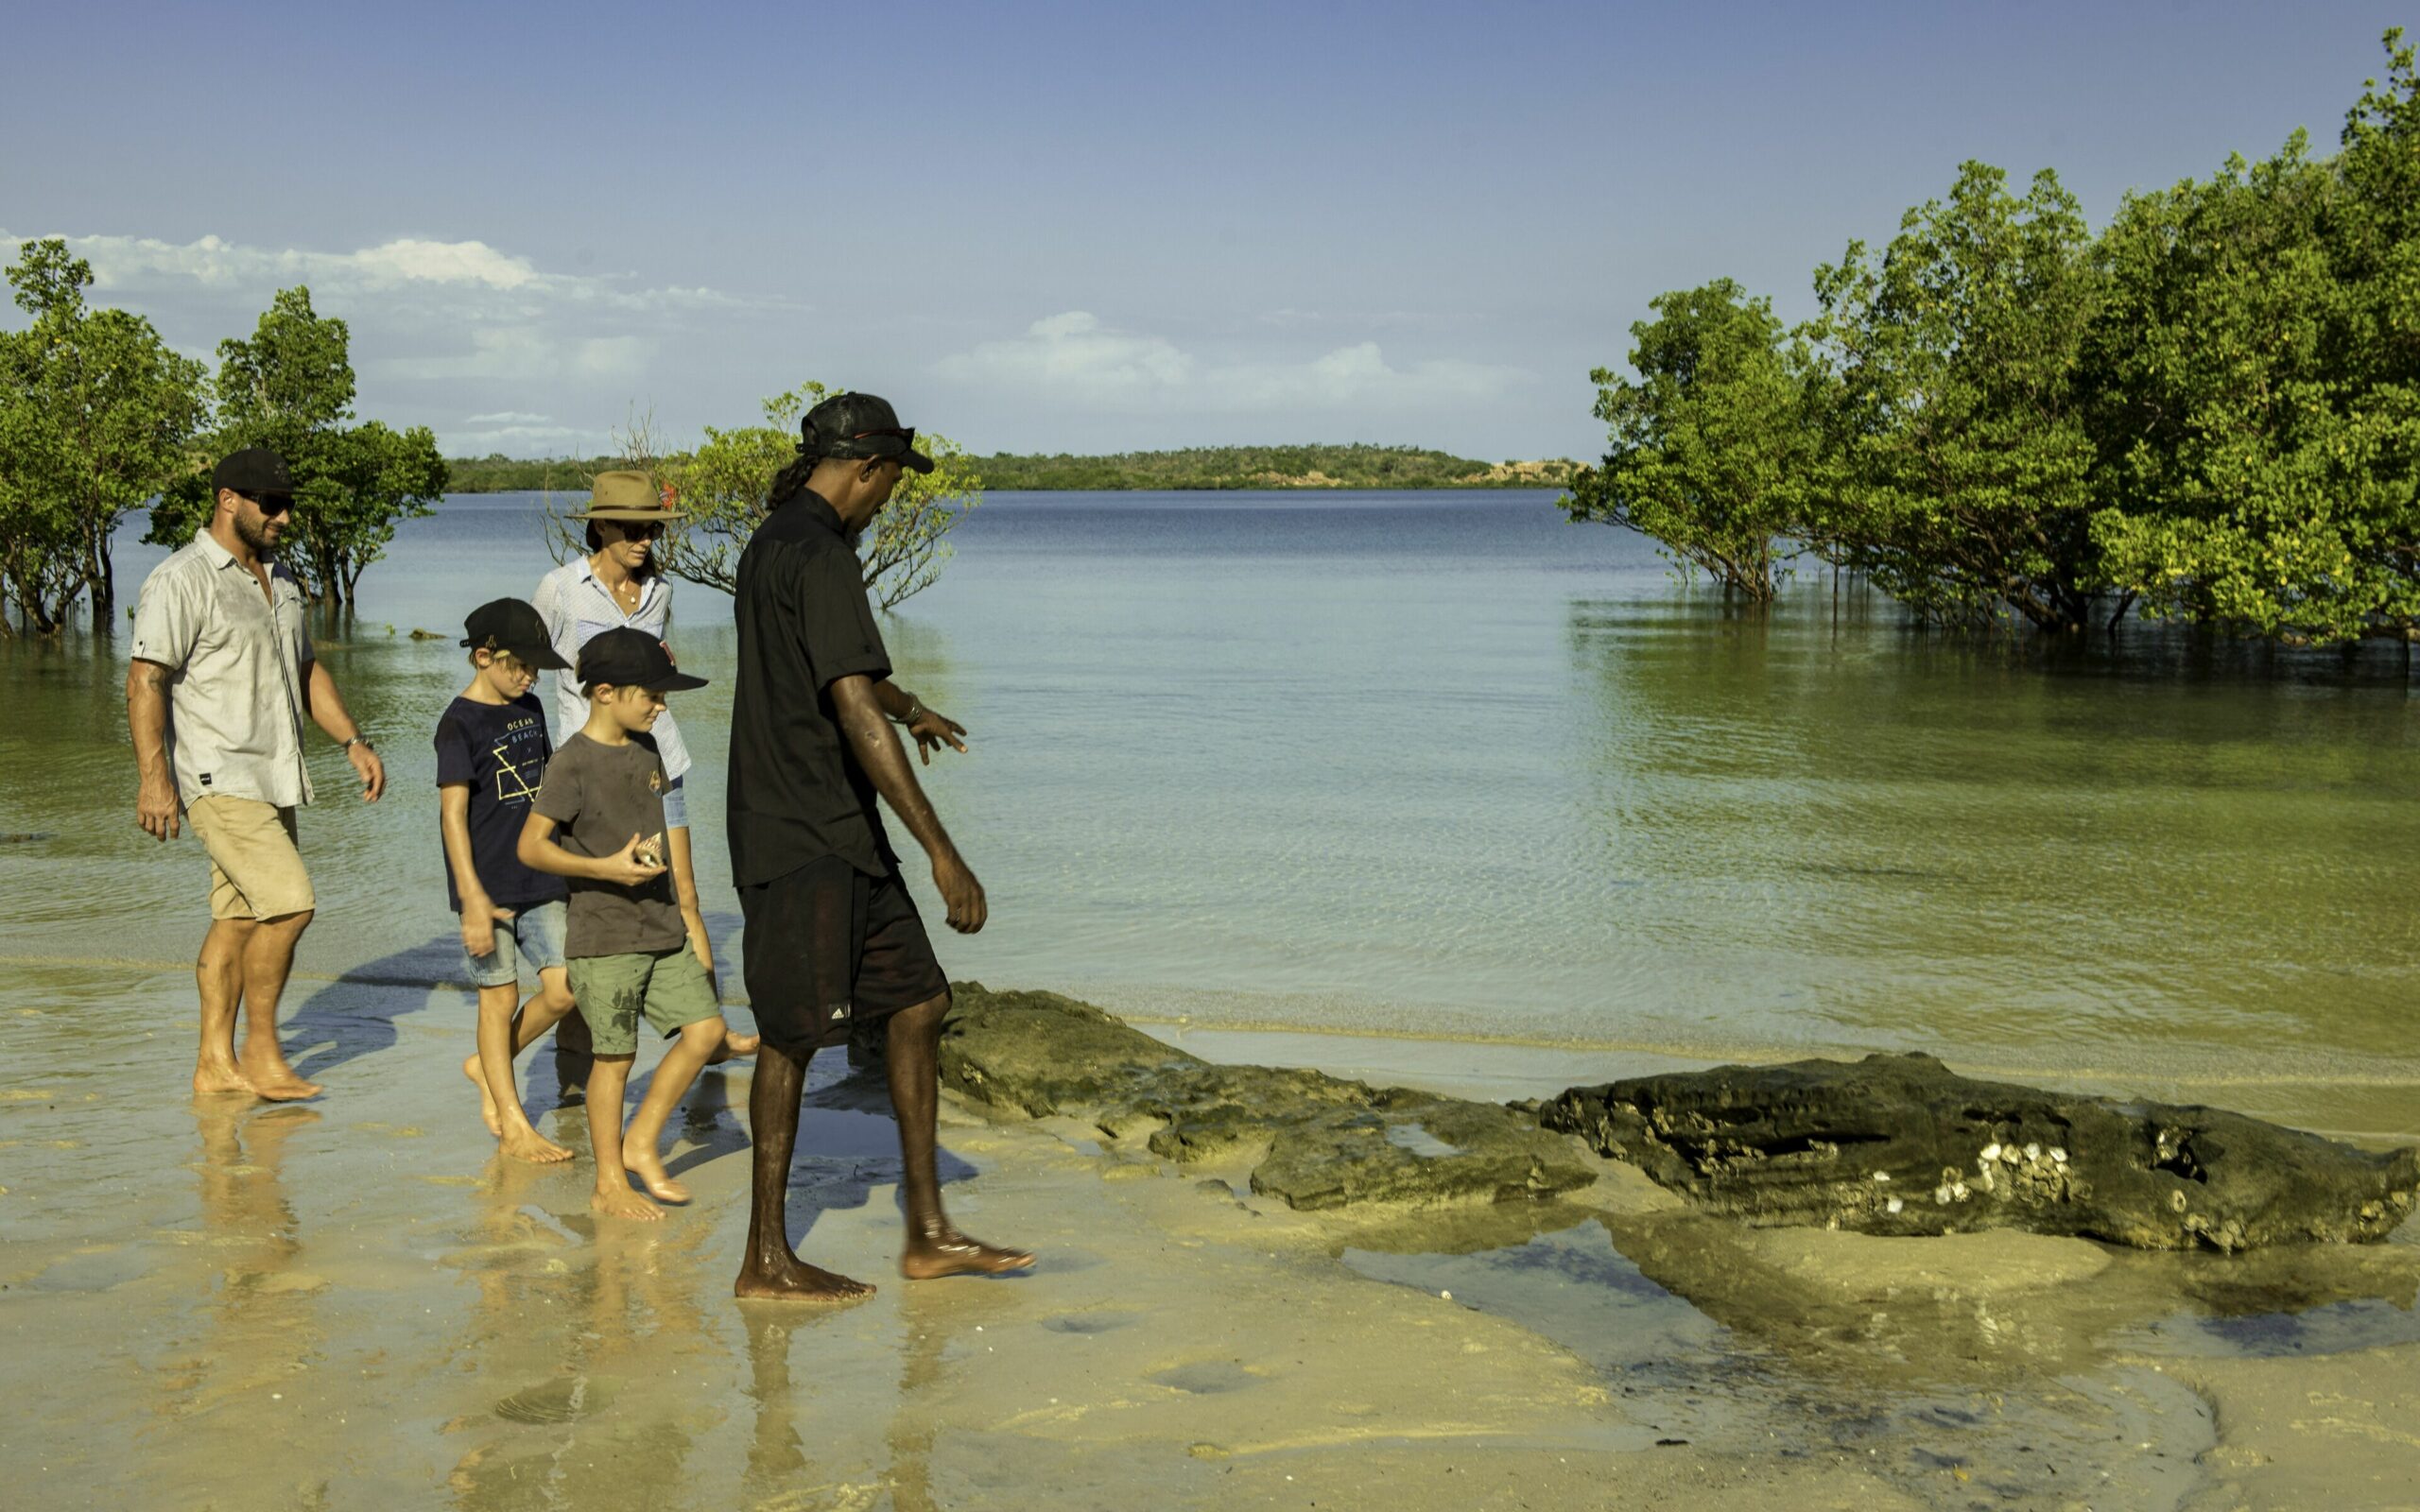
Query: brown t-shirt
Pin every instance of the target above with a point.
(598, 797)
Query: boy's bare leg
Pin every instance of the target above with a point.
(269, 955)
(470, 1066)
(934, 1247)
(643, 1141)
(503, 1030)
(549, 1007)
(771, 1269)
(219, 974)
(608, 1078)
(732, 1045)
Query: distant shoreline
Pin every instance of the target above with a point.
(1218, 469)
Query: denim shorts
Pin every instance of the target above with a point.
(533, 937)
(676, 804)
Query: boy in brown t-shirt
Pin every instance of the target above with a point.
(629, 950)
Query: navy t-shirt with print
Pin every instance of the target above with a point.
(500, 751)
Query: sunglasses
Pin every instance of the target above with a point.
(271, 502)
(633, 531)
(906, 438)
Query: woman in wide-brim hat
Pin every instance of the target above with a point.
(618, 585)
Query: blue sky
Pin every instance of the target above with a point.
(1079, 227)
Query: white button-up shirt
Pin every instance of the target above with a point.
(577, 608)
(237, 659)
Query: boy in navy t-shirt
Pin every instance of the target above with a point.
(491, 754)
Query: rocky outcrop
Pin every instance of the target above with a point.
(1308, 1140)
(1900, 1144)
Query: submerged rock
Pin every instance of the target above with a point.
(1900, 1144)
(1309, 1139)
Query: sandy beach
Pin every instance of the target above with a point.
(354, 1303)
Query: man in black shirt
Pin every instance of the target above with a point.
(832, 934)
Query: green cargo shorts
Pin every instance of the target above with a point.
(670, 988)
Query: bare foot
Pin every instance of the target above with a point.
(795, 1280)
(488, 1114)
(653, 1176)
(733, 1046)
(527, 1143)
(951, 1253)
(212, 1081)
(624, 1204)
(276, 1080)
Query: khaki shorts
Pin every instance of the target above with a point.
(255, 872)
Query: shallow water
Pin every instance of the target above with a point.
(1692, 1380)
(1444, 764)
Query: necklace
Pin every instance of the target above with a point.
(626, 592)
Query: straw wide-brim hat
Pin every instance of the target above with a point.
(625, 495)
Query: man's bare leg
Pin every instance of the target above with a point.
(269, 955)
(934, 1247)
(219, 974)
(772, 1269)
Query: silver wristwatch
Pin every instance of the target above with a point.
(362, 740)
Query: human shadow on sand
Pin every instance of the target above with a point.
(355, 1015)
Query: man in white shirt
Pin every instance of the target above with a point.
(222, 677)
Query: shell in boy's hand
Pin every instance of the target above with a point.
(651, 850)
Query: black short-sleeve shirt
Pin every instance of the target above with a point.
(499, 751)
(796, 794)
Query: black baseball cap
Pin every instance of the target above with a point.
(633, 659)
(256, 472)
(511, 624)
(860, 425)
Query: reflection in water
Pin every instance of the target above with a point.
(933, 1316)
(776, 1457)
(588, 1356)
(1943, 842)
(240, 1383)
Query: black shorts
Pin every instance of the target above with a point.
(826, 945)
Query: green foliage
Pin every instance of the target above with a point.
(1961, 462)
(95, 415)
(498, 473)
(1355, 466)
(291, 388)
(2211, 411)
(1205, 467)
(2260, 384)
(724, 488)
(1709, 449)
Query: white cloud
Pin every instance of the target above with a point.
(523, 439)
(1074, 358)
(439, 329)
(123, 265)
(515, 354)
(611, 356)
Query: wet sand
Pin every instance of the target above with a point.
(354, 1303)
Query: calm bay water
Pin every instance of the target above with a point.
(1446, 764)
